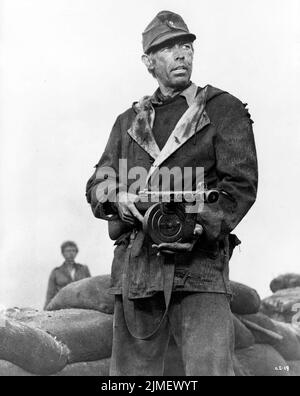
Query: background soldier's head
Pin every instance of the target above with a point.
(69, 250)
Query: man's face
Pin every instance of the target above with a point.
(173, 64)
(70, 253)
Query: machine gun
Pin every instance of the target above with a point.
(169, 216)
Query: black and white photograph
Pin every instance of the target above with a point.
(149, 184)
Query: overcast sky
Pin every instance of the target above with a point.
(69, 67)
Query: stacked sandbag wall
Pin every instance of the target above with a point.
(74, 337)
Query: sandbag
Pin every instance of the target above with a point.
(289, 347)
(275, 316)
(282, 305)
(243, 336)
(266, 323)
(8, 369)
(92, 293)
(286, 281)
(31, 349)
(85, 369)
(16, 312)
(22, 315)
(244, 299)
(87, 334)
(262, 361)
(99, 368)
(294, 368)
(89, 293)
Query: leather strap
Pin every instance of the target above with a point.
(128, 304)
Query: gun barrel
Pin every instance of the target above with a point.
(207, 196)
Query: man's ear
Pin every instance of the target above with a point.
(147, 61)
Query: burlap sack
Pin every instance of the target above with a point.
(87, 334)
(266, 323)
(262, 361)
(294, 368)
(92, 293)
(31, 349)
(287, 281)
(284, 304)
(244, 300)
(89, 293)
(8, 369)
(289, 347)
(243, 336)
(99, 368)
(85, 369)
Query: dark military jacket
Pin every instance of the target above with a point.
(61, 277)
(221, 142)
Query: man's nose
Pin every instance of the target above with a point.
(178, 53)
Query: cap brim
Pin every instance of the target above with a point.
(170, 36)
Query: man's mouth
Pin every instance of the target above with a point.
(179, 68)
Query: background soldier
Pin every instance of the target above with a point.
(185, 294)
(67, 273)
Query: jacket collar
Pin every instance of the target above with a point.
(189, 94)
(141, 129)
(192, 121)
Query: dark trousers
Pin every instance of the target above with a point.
(201, 324)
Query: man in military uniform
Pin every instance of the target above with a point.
(178, 289)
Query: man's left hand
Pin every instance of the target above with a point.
(178, 247)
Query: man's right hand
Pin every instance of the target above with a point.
(127, 209)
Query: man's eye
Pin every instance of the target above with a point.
(170, 47)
